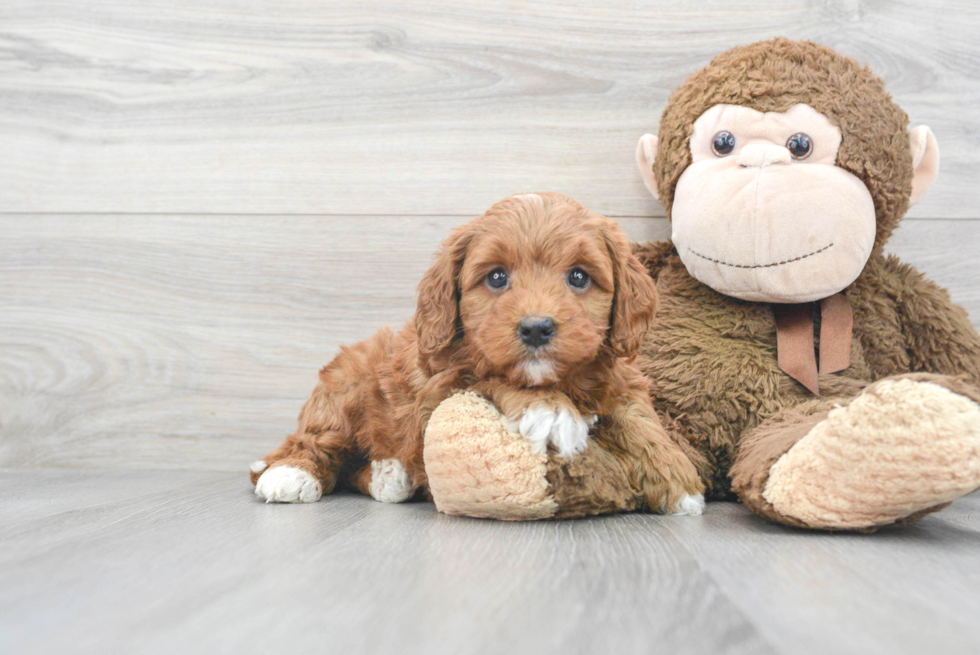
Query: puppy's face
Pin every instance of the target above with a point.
(536, 293)
(532, 290)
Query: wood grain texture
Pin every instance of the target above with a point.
(199, 202)
(193, 563)
(191, 342)
(389, 107)
(902, 590)
(165, 562)
(182, 562)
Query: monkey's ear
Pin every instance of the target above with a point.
(437, 312)
(925, 161)
(646, 154)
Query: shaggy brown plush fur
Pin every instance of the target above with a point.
(712, 363)
(374, 400)
(711, 359)
(894, 435)
(774, 76)
(591, 483)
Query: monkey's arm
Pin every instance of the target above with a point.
(939, 337)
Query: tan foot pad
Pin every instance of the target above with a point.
(478, 467)
(900, 447)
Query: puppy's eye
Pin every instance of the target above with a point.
(723, 143)
(578, 279)
(799, 145)
(497, 279)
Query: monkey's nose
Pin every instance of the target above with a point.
(757, 155)
(536, 330)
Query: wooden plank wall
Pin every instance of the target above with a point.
(200, 201)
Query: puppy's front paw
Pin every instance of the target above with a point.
(564, 428)
(288, 484)
(570, 434)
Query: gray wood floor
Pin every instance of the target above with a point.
(189, 562)
(200, 201)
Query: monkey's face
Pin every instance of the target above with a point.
(763, 213)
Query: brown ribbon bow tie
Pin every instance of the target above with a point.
(794, 339)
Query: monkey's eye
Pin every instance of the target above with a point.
(578, 279)
(723, 143)
(497, 279)
(799, 145)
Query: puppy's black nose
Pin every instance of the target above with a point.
(536, 331)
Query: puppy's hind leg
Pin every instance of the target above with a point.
(301, 470)
(308, 464)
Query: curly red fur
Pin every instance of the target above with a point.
(373, 401)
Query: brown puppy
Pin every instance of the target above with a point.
(538, 305)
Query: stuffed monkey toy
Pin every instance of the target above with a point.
(825, 384)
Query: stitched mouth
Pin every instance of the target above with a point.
(785, 261)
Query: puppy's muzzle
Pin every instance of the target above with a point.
(536, 331)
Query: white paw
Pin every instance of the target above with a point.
(565, 429)
(690, 505)
(258, 466)
(389, 481)
(288, 484)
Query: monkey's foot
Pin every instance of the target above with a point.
(478, 467)
(902, 448)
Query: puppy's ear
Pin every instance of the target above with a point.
(437, 312)
(635, 301)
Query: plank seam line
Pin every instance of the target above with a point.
(351, 215)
